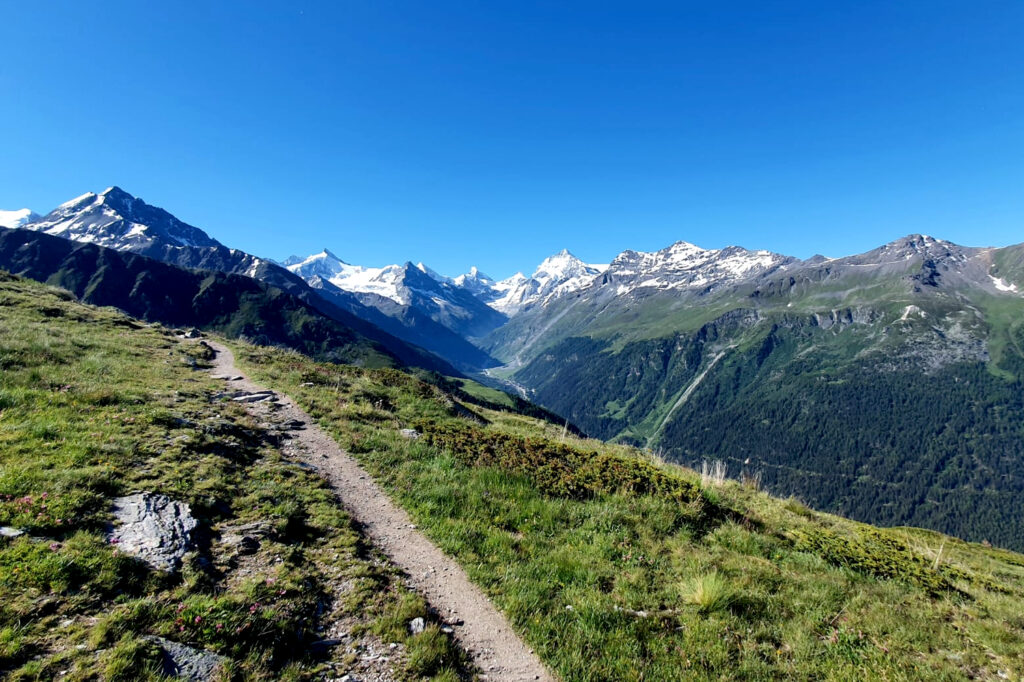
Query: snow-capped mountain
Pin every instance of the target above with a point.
(410, 286)
(557, 275)
(686, 266)
(385, 281)
(117, 220)
(17, 218)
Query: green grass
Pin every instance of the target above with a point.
(93, 405)
(625, 582)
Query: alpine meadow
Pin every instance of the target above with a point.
(512, 342)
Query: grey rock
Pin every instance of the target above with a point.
(242, 544)
(411, 434)
(193, 333)
(416, 626)
(188, 663)
(255, 397)
(8, 532)
(153, 528)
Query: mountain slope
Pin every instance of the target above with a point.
(885, 385)
(236, 306)
(616, 567)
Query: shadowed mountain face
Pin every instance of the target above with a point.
(236, 306)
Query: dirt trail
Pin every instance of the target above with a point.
(478, 626)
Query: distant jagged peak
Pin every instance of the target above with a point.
(433, 274)
(474, 274)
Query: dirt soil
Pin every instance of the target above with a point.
(480, 629)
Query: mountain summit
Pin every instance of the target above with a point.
(118, 220)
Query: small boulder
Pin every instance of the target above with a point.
(188, 663)
(193, 333)
(416, 626)
(153, 528)
(8, 532)
(245, 539)
(411, 434)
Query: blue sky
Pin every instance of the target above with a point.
(496, 133)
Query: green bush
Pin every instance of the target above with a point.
(871, 552)
(560, 470)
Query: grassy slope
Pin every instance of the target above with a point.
(94, 405)
(731, 583)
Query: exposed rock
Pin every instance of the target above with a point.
(416, 626)
(411, 434)
(189, 663)
(193, 333)
(255, 397)
(245, 539)
(153, 528)
(8, 532)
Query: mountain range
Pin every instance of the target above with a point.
(885, 385)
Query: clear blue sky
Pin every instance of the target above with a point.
(495, 133)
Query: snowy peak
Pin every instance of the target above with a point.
(324, 264)
(476, 283)
(557, 275)
(355, 278)
(562, 267)
(17, 218)
(411, 286)
(686, 266)
(116, 219)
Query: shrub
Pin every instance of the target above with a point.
(871, 552)
(560, 470)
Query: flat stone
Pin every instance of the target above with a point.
(255, 397)
(411, 434)
(188, 663)
(153, 528)
(8, 532)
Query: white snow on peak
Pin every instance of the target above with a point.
(381, 281)
(91, 219)
(557, 275)
(437, 277)
(88, 197)
(16, 218)
(686, 266)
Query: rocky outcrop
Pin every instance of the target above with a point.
(154, 528)
(188, 663)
